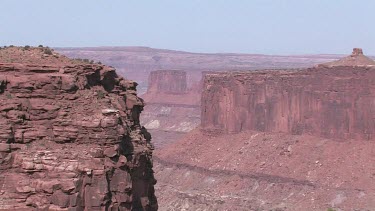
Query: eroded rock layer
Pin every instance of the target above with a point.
(70, 139)
(167, 81)
(171, 106)
(332, 101)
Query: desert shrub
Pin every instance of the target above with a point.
(100, 94)
(27, 47)
(40, 46)
(47, 51)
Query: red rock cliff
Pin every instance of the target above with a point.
(333, 100)
(167, 81)
(70, 138)
(171, 106)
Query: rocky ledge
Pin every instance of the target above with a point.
(70, 138)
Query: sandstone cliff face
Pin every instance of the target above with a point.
(70, 139)
(171, 106)
(170, 87)
(167, 81)
(331, 101)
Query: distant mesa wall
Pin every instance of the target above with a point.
(328, 101)
(169, 87)
(167, 81)
(170, 105)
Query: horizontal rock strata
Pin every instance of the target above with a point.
(167, 81)
(70, 139)
(330, 101)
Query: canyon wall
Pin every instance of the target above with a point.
(167, 81)
(136, 63)
(328, 101)
(172, 107)
(70, 139)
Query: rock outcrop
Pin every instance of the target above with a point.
(171, 105)
(356, 59)
(167, 81)
(70, 138)
(333, 100)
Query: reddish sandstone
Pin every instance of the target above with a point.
(333, 100)
(70, 137)
(171, 106)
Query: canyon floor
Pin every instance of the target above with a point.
(259, 171)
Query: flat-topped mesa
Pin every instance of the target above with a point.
(357, 51)
(355, 59)
(327, 100)
(70, 137)
(167, 81)
(171, 106)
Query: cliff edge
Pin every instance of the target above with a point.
(70, 137)
(333, 100)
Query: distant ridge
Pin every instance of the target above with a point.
(355, 59)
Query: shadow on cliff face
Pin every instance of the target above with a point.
(143, 195)
(107, 79)
(126, 147)
(3, 85)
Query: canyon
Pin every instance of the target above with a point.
(70, 136)
(289, 133)
(294, 139)
(136, 63)
(171, 115)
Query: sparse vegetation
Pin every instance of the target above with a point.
(40, 46)
(331, 209)
(100, 94)
(27, 47)
(9, 96)
(47, 51)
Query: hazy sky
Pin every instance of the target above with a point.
(243, 26)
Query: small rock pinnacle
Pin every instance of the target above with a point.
(357, 51)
